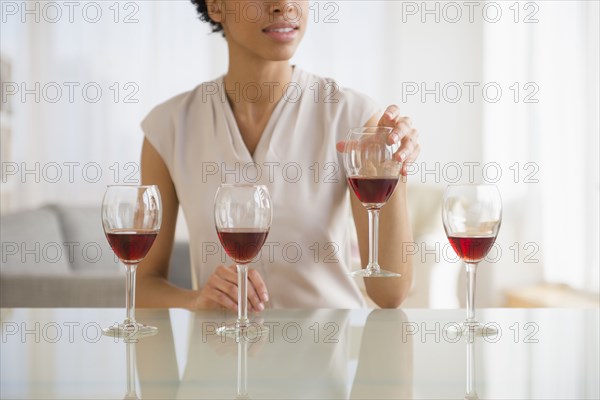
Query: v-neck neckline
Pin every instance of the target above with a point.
(267, 133)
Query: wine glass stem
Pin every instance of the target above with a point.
(471, 270)
(242, 296)
(373, 238)
(130, 292)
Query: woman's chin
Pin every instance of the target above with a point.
(280, 54)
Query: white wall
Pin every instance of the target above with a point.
(372, 50)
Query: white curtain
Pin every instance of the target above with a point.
(548, 134)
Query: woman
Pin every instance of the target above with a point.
(271, 123)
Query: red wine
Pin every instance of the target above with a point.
(131, 245)
(373, 190)
(471, 249)
(243, 244)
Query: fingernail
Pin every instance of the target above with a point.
(265, 296)
(389, 115)
(261, 307)
(396, 138)
(402, 157)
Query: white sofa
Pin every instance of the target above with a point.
(58, 256)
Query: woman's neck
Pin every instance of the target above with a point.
(256, 81)
(254, 87)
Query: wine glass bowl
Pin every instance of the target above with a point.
(131, 218)
(243, 216)
(472, 215)
(373, 174)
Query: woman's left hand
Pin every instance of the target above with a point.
(402, 133)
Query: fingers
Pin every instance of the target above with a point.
(401, 126)
(227, 273)
(218, 297)
(412, 158)
(390, 116)
(409, 150)
(222, 289)
(259, 286)
(402, 134)
(254, 303)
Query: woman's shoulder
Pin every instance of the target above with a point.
(168, 120)
(182, 102)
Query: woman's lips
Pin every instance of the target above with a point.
(282, 33)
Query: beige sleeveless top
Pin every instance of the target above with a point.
(306, 258)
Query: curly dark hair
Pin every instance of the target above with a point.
(202, 10)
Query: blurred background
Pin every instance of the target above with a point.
(501, 92)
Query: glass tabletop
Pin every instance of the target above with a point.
(325, 354)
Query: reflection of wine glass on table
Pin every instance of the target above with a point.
(242, 372)
(472, 215)
(131, 392)
(131, 217)
(373, 175)
(243, 215)
(471, 393)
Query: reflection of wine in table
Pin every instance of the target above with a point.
(241, 244)
(471, 248)
(131, 245)
(373, 190)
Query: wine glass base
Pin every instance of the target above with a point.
(132, 396)
(372, 273)
(249, 332)
(130, 330)
(469, 329)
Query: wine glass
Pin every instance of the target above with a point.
(131, 217)
(243, 215)
(373, 174)
(472, 215)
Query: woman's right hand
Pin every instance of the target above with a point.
(221, 290)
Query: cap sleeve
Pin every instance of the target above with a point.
(159, 129)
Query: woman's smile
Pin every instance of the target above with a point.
(282, 32)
